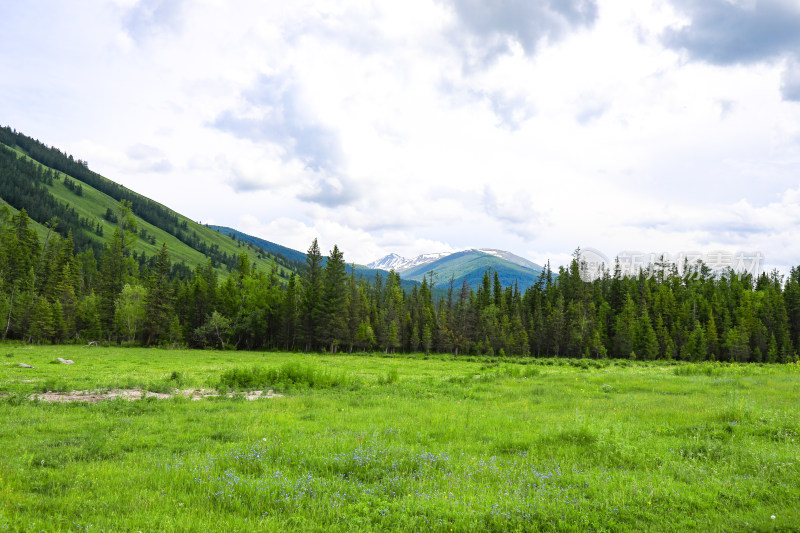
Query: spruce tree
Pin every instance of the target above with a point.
(159, 299)
(333, 327)
(291, 313)
(312, 297)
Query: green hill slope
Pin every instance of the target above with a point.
(46, 183)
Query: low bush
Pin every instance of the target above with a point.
(698, 369)
(390, 377)
(288, 376)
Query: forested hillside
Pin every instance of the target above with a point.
(49, 294)
(61, 193)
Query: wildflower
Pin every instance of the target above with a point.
(773, 517)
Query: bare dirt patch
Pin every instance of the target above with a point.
(138, 394)
(199, 394)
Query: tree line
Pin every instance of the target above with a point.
(48, 293)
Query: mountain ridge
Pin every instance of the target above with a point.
(465, 265)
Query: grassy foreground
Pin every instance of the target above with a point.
(366, 443)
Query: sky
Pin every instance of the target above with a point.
(532, 126)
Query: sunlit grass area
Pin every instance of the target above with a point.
(368, 442)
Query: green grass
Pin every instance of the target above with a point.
(373, 443)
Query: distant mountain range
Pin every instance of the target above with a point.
(400, 264)
(468, 265)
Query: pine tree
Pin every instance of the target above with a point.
(427, 338)
(497, 291)
(712, 338)
(557, 327)
(623, 336)
(67, 301)
(25, 250)
(332, 329)
(414, 340)
(312, 297)
(291, 313)
(696, 347)
(645, 342)
(42, 326)
(772, 353)
(392, 339)
(159, 299)
(737, 343)
(365, 337)
(116, 267)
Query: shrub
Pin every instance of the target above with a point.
(697, 369)
(288, 376)
(390, 377)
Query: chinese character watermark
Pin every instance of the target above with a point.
(694, 264)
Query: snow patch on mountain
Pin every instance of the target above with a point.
(511, 258)
(399, 264)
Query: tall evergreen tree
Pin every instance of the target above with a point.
(333, 326)
(312, 297)
(159, 299)
(290, 313)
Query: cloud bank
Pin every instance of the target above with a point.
(532, 126)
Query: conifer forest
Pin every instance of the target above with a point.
(51, 294)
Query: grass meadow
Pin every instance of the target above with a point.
(406, 443)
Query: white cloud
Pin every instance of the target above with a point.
(358, 123)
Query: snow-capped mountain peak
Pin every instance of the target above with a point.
(399, 264)
(391, 261)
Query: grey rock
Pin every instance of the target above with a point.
(23, 365)
(66, 361)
